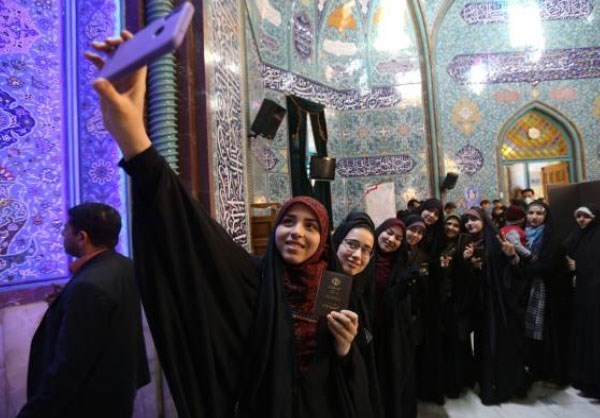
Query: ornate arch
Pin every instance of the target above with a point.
(571, 133)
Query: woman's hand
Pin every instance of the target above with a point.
(344, 327)
(508, 248)
(445, 261)
(570, 263)
(468, 252)
(122, 102)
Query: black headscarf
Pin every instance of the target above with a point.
(548, 245)
(352, 221)
(583, 248)
(398, 257)
(450, 243)
(271, 366)
(361, 290)
(433, 240)
(580, 237)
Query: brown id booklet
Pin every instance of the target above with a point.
(333, 294)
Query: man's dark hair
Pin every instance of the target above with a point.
(484, 202)
(527, 190)
(101, 222)
(496, 201)
(450, 205)
(413, 203)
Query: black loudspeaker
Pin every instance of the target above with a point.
(449, 182)
(322, 168)
(268, 119)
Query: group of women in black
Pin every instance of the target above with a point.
(237, 335)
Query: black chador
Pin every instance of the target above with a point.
(224, 329)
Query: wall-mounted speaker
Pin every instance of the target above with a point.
(449, 181)
(322, 168)
(268, 119)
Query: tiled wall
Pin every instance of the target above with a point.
(289, 50)
(474, 114)
(376, 129)
(54, 150)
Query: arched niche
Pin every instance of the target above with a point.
(534, 136)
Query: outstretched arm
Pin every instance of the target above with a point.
(197, 285)
(122, 102)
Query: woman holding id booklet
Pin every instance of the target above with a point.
(234, 338)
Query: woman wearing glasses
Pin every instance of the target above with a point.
(353, 243)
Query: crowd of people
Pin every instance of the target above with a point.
(439, 304)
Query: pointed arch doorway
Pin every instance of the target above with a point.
(538, 147)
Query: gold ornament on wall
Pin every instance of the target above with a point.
(342, 18)
(466, 116)
(596, 111)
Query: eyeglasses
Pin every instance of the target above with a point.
(354, 245)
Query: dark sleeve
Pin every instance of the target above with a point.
(197, 285)
(83, 332)
(351, 373)
(546, 264)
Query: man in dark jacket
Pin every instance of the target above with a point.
(87, 356)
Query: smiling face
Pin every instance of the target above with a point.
(536, 215)
(430, 216)
(414, 234)
(390, 239)
(354, 252)
(297, 236)
(451, 228)
(473, 225)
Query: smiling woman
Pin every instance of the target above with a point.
(272, 356)
(353, 242)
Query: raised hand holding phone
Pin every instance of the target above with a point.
(158, 38)
(122, 102)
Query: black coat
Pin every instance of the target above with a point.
(88, 355)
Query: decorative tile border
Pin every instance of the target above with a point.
(100, 179)
(498, 11)
(375, 165)
(226, 90)
(281, 80)
(520, 67)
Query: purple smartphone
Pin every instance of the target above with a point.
(158, 38)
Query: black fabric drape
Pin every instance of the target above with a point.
(298, 111)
